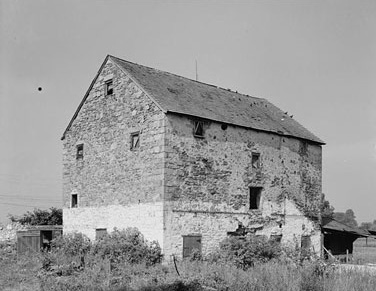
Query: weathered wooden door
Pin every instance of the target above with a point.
(28, 243)
(190, 243)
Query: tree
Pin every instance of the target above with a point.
(368, 225)
(53, 216)
(327, 210)
(347, 217)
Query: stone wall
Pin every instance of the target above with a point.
(175, 184)
(112, 181)
(147, 217)
(208, 180)
(8, 233)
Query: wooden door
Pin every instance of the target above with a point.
(190, 243)
(28, 244)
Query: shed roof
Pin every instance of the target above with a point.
(180, 95)
(332, 224)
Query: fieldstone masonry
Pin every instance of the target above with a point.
(207, 184)
(116, 186)
(176, 184)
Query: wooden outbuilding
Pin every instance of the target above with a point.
(37, 237)
(338, 238)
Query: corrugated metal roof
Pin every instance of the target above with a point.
(181, 95)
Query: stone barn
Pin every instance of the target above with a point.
(187, 163)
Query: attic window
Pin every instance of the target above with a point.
(255, 161)
(109, 87)
(80, 152)
(254, 197)
(198, 130)
(135, 140)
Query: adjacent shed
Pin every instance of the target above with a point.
(37, 237)
(339, 238)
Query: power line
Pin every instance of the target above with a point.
(20, 196)
(30, 200)
(23, 205)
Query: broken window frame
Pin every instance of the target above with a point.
(80, 151)
(135, 140)
(109, 87)
(255, 160)
(254, 198)
(74, 200)
(198, 128)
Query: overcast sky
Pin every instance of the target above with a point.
(314, 59)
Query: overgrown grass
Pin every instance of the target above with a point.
(85, 267)
(18, 274)
(364, 251)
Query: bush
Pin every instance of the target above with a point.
(245, 252)
(52, 216)
(71, 244)
(127, 246)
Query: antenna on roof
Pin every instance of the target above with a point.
(196, 71)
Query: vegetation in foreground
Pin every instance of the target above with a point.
(124, 260)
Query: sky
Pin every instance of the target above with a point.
(314, 59)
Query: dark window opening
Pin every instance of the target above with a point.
(254, 197)
(74, 203)
(198, 130)
(80, 152)
(135, 140)
(109, 87)
(46, 237)
(191, 244)
(224, 126)
(100, 232)
(255, 160)
(303, 149)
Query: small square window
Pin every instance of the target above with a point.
(254, 197)
(255, 161)
(109, 87)
(135, 140)
(80, 152)
(74, 201)
(100, 232)
(198, 130)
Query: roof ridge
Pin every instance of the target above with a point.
(179, 76)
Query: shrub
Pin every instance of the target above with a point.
(71, 244)
(52, 216)
(245, 252)
(127, 246)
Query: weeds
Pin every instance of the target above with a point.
(124, 261)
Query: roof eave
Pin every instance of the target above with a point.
(318, 141)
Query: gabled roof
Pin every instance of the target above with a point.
(329, 224)
(180, 95)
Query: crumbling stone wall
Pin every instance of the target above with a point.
(208, 180)
(8, 233)
(176, 184)
(116, 186)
